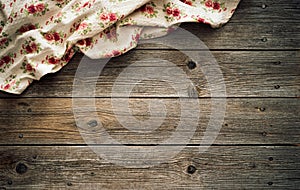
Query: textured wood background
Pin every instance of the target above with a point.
(258, 146)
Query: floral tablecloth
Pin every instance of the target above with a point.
(40, 36)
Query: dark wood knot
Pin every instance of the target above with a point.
(262, 109)
(191, 169)
(264, 39)
(9, 182)
(277, 63)
(270, 183)
(191, 65)
(21, 168)
(92, 123)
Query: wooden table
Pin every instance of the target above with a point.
(257, 147)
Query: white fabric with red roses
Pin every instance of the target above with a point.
(40, 36)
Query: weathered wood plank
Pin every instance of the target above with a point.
(247, 121)
(274, 27)
(218, 168)
(267, 11)
(246, 74)
(246, 36)
(256, 24)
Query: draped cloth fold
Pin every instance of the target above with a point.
(41, 36)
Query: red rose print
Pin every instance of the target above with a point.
(29, 67)
(176, 12)
(150, 10)
(67, 57)
(112, 17)
(49, 36)
(103, 17)
(34, 47)
(137, 37)
(31, 9)
(169, 11)
(81, 42)
(186, 2)
(52, 60)
(40, 7)
(116, 52)
(26, 28)
(31, 27)
(6, 87)
(6, 59)
(76, 26)
(201, 20)
(85, 4)
(88, 41)
(56, 36)
(216, 6)
(3, 41)
(23, 29)
(209, 3)
(82, 26)
(28, 49)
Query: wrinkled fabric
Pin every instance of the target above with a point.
(41, 36)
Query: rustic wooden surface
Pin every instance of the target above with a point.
(257, 148)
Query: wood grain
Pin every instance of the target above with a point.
(247, 121)
(267, 11)
(257, 147)
(225, 167)
(246, 74)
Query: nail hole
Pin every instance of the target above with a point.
(34, 156)
(264, 39)
(92, 123)
(277, 86)
(191, 169)
(21, 168)
(270, 158)
(191, 65)
(21, 136)
(270, 183)
(263, 6)
(29, 110)
(69, 184)
(226, 124)
(262, 109)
